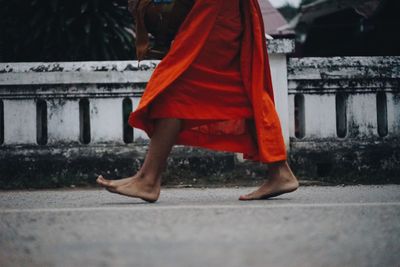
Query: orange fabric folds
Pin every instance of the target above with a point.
(216, 78)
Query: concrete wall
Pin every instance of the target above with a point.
(344, 117)
(68, 117)
(105, 85)
(62, 86)
(63, 123)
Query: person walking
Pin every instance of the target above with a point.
(213, 90)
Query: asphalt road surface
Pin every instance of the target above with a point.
(313, 226)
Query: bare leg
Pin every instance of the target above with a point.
(114, 183)
(281, 180)
(146, 183)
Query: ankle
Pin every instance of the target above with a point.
(280, 171)
(276, 169)
(277, 166)
(149, 179)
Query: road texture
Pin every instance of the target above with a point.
(313, 226)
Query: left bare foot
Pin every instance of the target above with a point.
(281, 181)
(138, 188)
(113, 183)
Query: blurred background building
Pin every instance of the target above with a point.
(345, 27)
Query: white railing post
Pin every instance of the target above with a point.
(278, 50)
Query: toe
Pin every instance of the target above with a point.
(100, 180)
(245, 197)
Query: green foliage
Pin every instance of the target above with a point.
(65, 30)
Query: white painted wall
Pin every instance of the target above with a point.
(280, 85)
(62, 121)
(106, 120)
(19, 122)
(105, 85)
(320, 116)
(317, 79)
(360, 78)
(362, 116)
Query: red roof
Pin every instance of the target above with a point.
(272, 19)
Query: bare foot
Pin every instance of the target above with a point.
(112, 183)
(138, 188)
(280, 182)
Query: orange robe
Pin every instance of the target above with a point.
(216, 78)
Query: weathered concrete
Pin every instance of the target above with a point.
(85, 119)
(279, 76)
(370, 87)
(281, 46)
(344, 162)
(96, 72)
(314, 226)
(79, 166)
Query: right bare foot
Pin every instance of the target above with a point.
(272, 188)
(281, 180)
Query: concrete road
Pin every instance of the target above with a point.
(314, 226)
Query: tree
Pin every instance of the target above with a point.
(54, 30)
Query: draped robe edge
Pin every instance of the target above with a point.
(188, 43)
